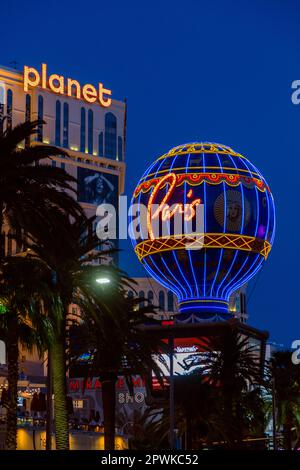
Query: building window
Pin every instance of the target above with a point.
(161, 299)
(141, 296)
(170, 301)
(110, 135)
(130, 294)
(66, 126)
(82, 130)
(90, 131)
(120, 149)
(63, 166)
(53, 163)
(27, 115)
(57, 123)
(9, 107)
(100, 144)
(27, 108)
(40, 118)
(150, 297)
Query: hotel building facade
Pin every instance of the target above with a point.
(94, 137)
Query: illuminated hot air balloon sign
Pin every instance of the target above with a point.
(227, 213)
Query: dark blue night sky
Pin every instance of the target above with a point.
(209, 70)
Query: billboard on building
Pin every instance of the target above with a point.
(96, 187)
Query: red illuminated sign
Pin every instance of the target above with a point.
(76, 385)
(167, 212)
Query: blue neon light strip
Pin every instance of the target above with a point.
(181, 287)
(274, 219)
(224, 229)
(249, 274)
(167, 282)
(189, 251)
(140, 195)
(173, 252)
(226, 289)
(269, 198)
(226, 292)
(205, 228)
(252, 271)
(240, 270)
(205, 299)
(146, 173)
(268, 223)
(257, 200)
(198, 307)
(177, 286)
(241, 231)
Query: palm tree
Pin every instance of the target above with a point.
(25, 294)
(286, 377)
(144, 427)
(196, 410)
(30, 192)
(27, 188)
(118, 346)
(74, 262)
(215, 403)
(232, 367)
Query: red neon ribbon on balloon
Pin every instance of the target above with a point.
(188, 209)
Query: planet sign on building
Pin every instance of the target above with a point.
(234, 204)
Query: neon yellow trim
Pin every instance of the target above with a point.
(203, 240)
(202, 168)
(201, 147)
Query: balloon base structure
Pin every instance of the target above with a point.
(186, 340)
(197, 310)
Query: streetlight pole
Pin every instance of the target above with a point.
(49, 415)
(172, 401)
(274, 413)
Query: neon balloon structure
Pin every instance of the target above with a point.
(202, 268)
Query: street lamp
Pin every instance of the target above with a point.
(103, 280)
(171, 393)
(274, 412)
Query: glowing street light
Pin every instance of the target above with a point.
(103, 280)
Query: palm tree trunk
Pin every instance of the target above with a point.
(188, 431)
(230, 421)
(109, 412)
(49, 416)
(57, 353)
(287, 432)
(12, 378)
